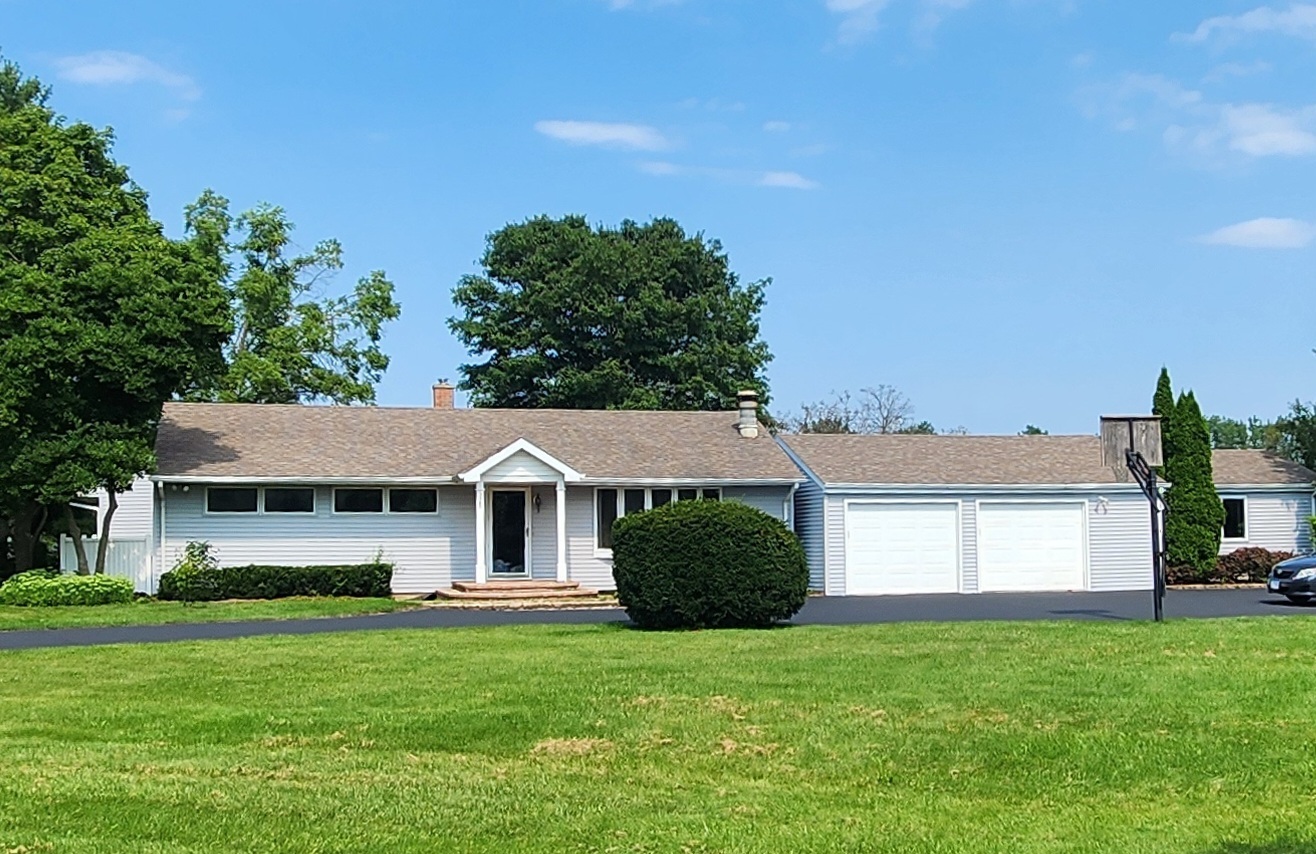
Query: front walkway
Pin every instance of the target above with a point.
(818, 611)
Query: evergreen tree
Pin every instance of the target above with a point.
(1194, 514)
(1163, 405)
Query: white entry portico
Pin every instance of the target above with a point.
(516, 469)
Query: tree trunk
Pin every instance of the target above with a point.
(79, 547)
(5, 563)
(103, 547)
(25, 529)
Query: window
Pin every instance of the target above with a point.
(1235, 518)
(607, 501)
(231, 499)
(612, 504)
(413, 501)
(298, 499)
(358, 500)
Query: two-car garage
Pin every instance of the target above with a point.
(950, 546)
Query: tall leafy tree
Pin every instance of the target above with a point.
(1254, 433)
(1294, 434)
(102, 318)
(1033, 430)
(1194, 513)
(291, 342)
(642, 316)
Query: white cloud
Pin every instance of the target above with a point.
(776, 126)
(1207, 130)
(660, 167)
(617, 5)
(1237, 69)
(858, 17)
(789, 180)
(1299, 21)
(1260, 130)
(117, 68)
(607, 134)
(712, 105)
(1264, 233)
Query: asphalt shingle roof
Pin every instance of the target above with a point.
(271, 441)
(1003, 460)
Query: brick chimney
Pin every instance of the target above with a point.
(443, 395)
(748, 403)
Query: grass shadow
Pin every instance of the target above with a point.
(1097, 613)
(1280, 846)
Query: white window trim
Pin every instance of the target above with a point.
(385, 492)
(438, 497)
(606, 554)
(259, 502)
(1247, 521)
(315, 502)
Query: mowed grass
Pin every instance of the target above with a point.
(149, 612)
(1046, 737)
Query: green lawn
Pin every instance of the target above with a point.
(150, 612)
(1060, 737)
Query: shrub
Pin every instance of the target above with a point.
(190, 583)
(40, 587)
(706, 564)
(1247, 565)
(1243, 566)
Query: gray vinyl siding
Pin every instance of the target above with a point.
(543, 533)
(809, 527)
(133, 516)
(834, 550)
(582, 563)
(1119, 534)
(969, 546)
(592, 570)
(771, 500)
(1276, 521)
(428, 551)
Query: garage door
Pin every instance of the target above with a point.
(902, 548)
(1024, 546)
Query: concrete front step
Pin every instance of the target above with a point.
(515, 593)
(517, 584)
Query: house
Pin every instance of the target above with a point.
(446, 494)
(968, 514)
(1267, 499)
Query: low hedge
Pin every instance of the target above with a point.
(39, 587)
(209, 584)
(1242, 566)
(707, 564)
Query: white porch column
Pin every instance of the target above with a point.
(561, 530)
(481, 569)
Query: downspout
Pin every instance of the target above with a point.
(164, 539)
(788, 516)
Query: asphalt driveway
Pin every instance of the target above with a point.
(1179, 604)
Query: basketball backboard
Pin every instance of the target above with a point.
(1122, 433)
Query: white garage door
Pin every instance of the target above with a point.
(1024, 546)
(902, 548)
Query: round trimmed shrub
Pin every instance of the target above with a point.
(707, 564)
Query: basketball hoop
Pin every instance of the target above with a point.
(1131, 446)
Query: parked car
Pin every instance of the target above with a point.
(1294, 578)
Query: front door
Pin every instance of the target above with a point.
(510, 531)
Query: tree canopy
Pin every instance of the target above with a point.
(102, 318)
(641, 316)
(291, 343)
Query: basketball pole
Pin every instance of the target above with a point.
(1146, 477)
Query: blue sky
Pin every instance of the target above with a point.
(1015, 211)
